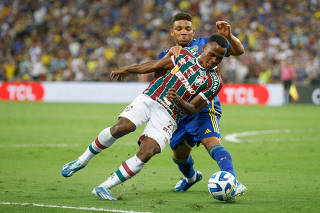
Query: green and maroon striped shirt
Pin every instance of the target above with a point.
(188, 78)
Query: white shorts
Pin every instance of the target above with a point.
(160, 126)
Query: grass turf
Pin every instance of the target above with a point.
(280, 170)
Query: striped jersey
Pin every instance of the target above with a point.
(197, 44)
(189, 79)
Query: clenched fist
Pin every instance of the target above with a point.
(172, 95)
(223, 28)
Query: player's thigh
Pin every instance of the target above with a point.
(179, 136)
(208, 125)
(160, 126)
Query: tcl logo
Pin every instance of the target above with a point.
(20, 91)
(244, 94)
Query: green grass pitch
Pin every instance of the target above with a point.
(281, 170)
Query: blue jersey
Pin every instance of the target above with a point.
(197, 44)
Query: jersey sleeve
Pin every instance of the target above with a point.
(228, 50)
(204, 97)
(209, 94)
(213, 87)
(162, 54)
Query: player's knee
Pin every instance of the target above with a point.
(181, 152)
(146, 155)
(180, 156)
(210, 142)
(147, 150)
(123, 127)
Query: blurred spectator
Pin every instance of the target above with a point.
(287, 77)
(313, 71)
(84, 40)
(24, 68)
(9, 68)
(265, 76)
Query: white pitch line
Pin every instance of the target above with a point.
(38, 145)
(60, 145)
(234, 137)
(69, 207)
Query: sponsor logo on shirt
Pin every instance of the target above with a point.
(185, 82)
(200, 80)
(215, 83)
(128, 108)
(195, 47)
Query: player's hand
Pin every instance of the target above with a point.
(223, 28)
(175, 50)
(172, 95)
(119, 74)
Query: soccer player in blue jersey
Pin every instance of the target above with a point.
(203, 126)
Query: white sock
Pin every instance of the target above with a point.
(127, 170)
(103, 141)
(193, 178)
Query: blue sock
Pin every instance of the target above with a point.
(186, 167)
(223, 158)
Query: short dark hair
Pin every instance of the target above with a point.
(181, 16)
(220, 39)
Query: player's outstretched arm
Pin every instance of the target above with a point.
(197, 104)
(151, 66)
(224, 28)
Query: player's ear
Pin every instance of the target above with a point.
(194, 32)
(204, 47)
(171, 32)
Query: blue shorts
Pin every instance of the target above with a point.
(196, 127)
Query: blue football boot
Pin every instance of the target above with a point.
(103, 193)
(183, 185)
(72, 167)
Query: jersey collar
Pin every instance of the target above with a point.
(197, 60)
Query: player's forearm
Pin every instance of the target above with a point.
(163, 64)
(147, 67)
(186, 107)
(236, 47)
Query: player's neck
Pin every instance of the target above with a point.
(200, 63)
(183, 46)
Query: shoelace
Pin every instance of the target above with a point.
(75, 165)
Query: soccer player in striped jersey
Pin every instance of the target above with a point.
(204, 126)
(190, 85)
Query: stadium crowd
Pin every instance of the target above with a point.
(83, 40)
